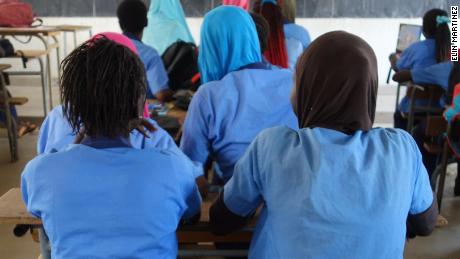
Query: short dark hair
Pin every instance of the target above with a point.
(132, 16)
(103, 88)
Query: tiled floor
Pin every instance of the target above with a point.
(443, 244)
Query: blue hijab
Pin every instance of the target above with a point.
(229, 42)
(167, 25)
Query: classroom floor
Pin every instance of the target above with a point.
(444, 243)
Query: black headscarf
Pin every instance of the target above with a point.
(336, 84)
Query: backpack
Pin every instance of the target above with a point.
(14, 13)
(181, 63)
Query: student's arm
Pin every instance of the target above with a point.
(393, 60)
(193, 197)
(195, 142)
(27, 191)
(157, 78)
(402, 76)
(241, 196)
(424, 209)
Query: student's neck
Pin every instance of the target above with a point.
(137, 36)
(106, 142)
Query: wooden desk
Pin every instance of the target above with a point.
(13, 211)
(43, 33)
(74, 29)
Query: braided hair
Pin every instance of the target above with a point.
(103, 88)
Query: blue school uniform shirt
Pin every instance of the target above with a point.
(437, 74)
(297, 40)
(157, 77)
(330, 195)
(111, 202)
(419, 55)
(56, 134)
(226, 115)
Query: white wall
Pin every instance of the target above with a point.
(380, 33)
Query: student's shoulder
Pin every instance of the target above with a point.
(397, 138)
(278, 136)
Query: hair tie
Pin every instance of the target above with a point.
(442, 20)
(269, 1)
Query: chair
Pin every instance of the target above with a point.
(430, 93)
(5, 105)
(36, 55)
(450, 154)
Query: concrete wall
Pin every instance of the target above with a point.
(380, 33)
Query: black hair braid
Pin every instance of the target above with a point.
(102, 85)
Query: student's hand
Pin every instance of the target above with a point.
(393, 60)
(142, 125)
(402, 76)
(80, 136)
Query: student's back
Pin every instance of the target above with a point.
(336, 188)
(102, 197)
(331, 195)
(229, 113)
(111, 202)
(240, 96)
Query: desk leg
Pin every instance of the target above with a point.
(48, 71)
(75, 40)
(65, 44)
(45, 248)
(58, 58)
(44, 88)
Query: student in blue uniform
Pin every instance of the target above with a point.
(102, 198)
(445, 75)
(132, 16)
(56, 134)
(240, 96)
(293, 32)
(435, 49)
(167, 24)
(336, 188)
(263, 31)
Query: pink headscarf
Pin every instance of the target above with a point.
(241, 3)
(125, 41)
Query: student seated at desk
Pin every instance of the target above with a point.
(167, 25)
(422, 54)
(132, 16)
(447, 76)
(263, 32)
(336, 188)
(240, 96)
(56, 133)
(287, 40)
(102, 198)
(293, 31)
